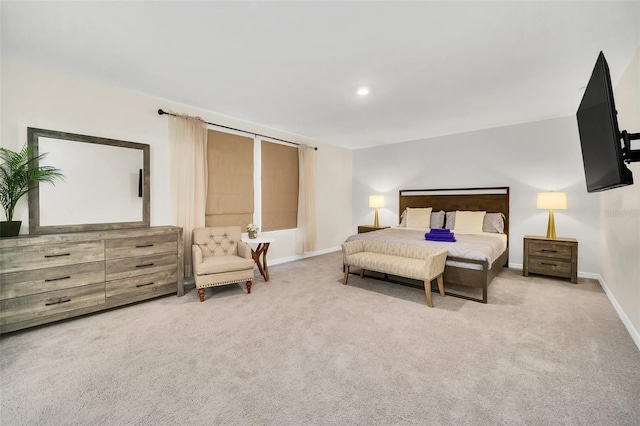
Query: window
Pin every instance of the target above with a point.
(279, 186)
(230, 191)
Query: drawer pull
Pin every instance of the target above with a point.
(57, 279)
(549, 264)
(144, 285)
(549, 251)
(57, 255)
(53, 301)
(144, 245)
(146, 265)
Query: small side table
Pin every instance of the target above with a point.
(368, 228)
(555, 257)
(261, 249)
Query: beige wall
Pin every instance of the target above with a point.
(33, 97)
(619, 246)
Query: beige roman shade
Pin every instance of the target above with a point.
(279, 186)
(230, 193)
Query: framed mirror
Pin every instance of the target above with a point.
(106, 184)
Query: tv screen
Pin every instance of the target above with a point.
(600, 137)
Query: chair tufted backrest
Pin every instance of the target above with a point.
(218, 241)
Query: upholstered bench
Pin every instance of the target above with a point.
(416, 262)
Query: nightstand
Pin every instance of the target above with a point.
(368, 228)
(554, 257)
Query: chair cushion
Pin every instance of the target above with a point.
(219, 264)
(217, 241)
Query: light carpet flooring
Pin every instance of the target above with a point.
(304, 349)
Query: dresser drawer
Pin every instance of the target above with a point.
(54, 302)
(47, 256)
(547, 249)
(140, 246)
(133, 267)
(160, 283)
(18, 284)
(549, 267)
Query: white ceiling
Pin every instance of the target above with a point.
(433, 68)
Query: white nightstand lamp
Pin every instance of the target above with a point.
(551, 201)
(375, 202)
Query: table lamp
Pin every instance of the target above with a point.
(376, 201)
(552, 201)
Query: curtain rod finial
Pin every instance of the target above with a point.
(160, 112)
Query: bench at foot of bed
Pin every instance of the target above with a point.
(420, 263)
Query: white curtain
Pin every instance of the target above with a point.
(307, 198)
(188, 148)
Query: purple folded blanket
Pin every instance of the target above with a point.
(440, 236)
(440, 231)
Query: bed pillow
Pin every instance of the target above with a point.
(468, 222)
(419, 217)
(493, 222)
(437, 219)
(450, 220)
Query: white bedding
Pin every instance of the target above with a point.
(482, 246)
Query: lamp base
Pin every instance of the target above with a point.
(551, 226)
(375, 219)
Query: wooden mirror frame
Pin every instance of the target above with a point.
(33, 136)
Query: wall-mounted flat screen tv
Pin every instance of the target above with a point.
(600, 138)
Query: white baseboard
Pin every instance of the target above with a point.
(625, 319)
(303, 255)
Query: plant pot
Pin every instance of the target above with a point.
(10, 229)
(253, 235)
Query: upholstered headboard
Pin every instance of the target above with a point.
(491, 200)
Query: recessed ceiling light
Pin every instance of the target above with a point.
(363, 91)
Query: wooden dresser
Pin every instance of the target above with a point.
(47, 278)
(555, 257)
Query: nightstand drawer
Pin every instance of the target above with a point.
(549, 267)
(552, 250)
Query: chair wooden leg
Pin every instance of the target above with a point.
(346, 274)
(441, 285)
(249, 287)
(427, 290)
(201, 294)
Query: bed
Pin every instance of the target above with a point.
(473, 261)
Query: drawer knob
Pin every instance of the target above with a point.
(57, 255)
(144, 245)
(144, 285)
(53, 301)
(57, 279)
(146, 265)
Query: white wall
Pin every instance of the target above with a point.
(620, 215)
(33, 97)
(529, 158)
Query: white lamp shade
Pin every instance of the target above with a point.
(552, 200)
(376, 201)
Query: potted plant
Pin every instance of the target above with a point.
(19, 173)
(252, 231)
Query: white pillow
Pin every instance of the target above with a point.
(419, 217)
(469, 222)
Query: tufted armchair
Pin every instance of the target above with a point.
(220, 257)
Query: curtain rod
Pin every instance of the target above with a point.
(161, 112)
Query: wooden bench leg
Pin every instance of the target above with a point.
(361, 272)
(346, 274)
(427, 290)
(441, 285)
